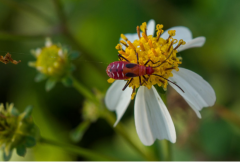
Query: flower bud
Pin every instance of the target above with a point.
(16, 130)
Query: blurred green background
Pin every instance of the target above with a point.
(93, 28)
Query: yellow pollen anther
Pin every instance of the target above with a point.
(159, 33)
(141, 46)
(110, 80)
(131, 45)
(181, 42)
(143, 27)
(172, 32)
(159, 27)
(133, 95)
(150, 43)
(122, 53)
(174, 41)
(138, 32)
(118, 47)
(124, 43)
(153, 51)
(145, 36)
(124, 37)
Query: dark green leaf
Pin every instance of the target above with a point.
(30, 141)
(40, 77)
(73, 55)
(50, 84)
(21, 150)
(67, 81)
(77, 134)
(15, 112)
(27, 112)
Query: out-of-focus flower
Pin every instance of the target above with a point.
(152, 118)
(16, 130)
(54, 62)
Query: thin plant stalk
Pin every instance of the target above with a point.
(78, 150)
(166, 146)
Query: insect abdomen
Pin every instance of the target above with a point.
(115, 70)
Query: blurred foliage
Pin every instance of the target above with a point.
(93, 28)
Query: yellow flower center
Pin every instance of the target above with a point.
(51, 61)
(160, 51)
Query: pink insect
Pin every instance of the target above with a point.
(121, 70)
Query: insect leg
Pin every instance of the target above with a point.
(151, 61)
(128, 82)
(145, 78)
(137, 58)
(121, 57)
(140, 80)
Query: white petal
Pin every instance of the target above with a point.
(118, 100)
(185, 34)
(181, 33)
(196, 42)
(151, 27)
(152, 118)
(197, 92)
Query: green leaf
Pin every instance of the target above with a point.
(50, 84)
(77, 134)
(40, 77)
(27, 112)
(30, 141)
(14, 111)
(73, 55)
(67, 81)
(21, 150)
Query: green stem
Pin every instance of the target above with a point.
(109, 117)
(165, 144)
(83, 90)
(78, 150)
(166, 150)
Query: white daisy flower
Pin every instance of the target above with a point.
(152, 118)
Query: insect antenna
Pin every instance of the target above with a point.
(170, 82)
